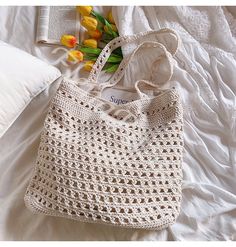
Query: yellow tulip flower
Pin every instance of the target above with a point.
(84, 10)
(75, 56)
(91, 43)
(88, 65)
(95, 34)
(89, 23)
(68, 40)
(110, 18)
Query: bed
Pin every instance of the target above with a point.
(205, 75)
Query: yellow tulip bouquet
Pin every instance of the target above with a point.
(100, 31)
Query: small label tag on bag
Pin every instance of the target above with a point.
(118, 96)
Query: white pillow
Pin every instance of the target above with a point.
(22, 77)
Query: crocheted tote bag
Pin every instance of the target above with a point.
(113, 164)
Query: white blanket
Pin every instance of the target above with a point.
(205, 74)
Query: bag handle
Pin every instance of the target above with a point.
(163, 36)
(162, 54)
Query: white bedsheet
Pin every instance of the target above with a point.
(205, 74)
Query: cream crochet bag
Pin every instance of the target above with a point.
(113, 164)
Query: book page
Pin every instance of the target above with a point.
(62, 20)
(56, 21)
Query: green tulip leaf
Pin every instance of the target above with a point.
(112, 68)
(112, 59)
(85, 49)
(106, 23)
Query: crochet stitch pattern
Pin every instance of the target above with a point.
(104, 167)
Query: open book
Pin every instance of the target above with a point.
(54, 21)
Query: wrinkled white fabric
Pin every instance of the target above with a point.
(205, 74)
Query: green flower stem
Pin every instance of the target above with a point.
(111, 59)
(96, 51)
(102, 20)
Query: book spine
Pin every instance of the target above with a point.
(43, 24)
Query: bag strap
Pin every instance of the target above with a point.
(162, 55)
(167, 37)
